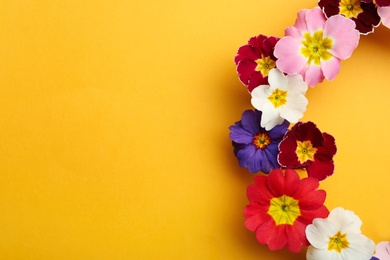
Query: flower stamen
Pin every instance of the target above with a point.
(261, 140)
(278, 98)
(264, 65)
(315, 47)
(305, 151)
(338, 242)
(350, 8)
(284, 210)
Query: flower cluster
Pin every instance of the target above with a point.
(284, 210)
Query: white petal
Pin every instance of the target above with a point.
(322, 254)
(260, 96)
(296, 84)
(293, 110)
(360, 247)
(319, 233)
(345, 220)
(277, 79)
(270, 117)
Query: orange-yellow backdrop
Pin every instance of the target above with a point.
(114, 123)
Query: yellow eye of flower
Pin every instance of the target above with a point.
(305, 151)
(350, 8)
(316, 47)
(284, 210)
(261, 140)
(264, 65)
(278, 98)
(338, 242)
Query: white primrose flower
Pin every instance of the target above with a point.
(283, 98)
(338, 237)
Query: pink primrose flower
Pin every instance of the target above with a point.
(314, 46)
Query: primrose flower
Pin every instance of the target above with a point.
(281, 206)
(255, 59)
(304, 146)
(284, 98)
(314, 46)
(338, 237)
(256, 148)
(382, 251)
(364, 15)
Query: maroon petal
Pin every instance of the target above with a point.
(320, 169)
(256, 79)
(257, 41)
(247, 52)
(382, 3)
(245, 69)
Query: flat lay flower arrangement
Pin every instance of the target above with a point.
(284, 210)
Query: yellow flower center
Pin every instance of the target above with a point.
(284, 210)
(264, 65)
(315, 47)
(261, 140)
(305, 151)
(278, 98)
(350, 8)
(338, 242)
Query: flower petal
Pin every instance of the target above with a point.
(313, 75)
(360, 247)
(277, 80)
(320, 169)
(240, 135)
(345, 220)
(255, 215)
(260, 97)
(254, 163)
(384, 13)
(245, 69)
(249, 121)
(288, 51)
(283, 183)
(319, 232)
(330, 68)
(244, 154)
(270, 117)
(344, 35)
(294, 108)
(315, 20)
(259, 191)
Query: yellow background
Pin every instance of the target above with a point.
(114, 121)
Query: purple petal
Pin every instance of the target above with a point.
(249, 122)
(244, 154)
(240, 135)
(254, 163)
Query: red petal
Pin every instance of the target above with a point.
(307, 216)
(313, 200)
(308, 132)
(259, 191)
(281, 183)
(257, 79)
(265, 232)
(257, 41)
(306, 186)
(287, 156)
(255, 215)
(296, 237)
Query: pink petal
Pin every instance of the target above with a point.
(300, 22)
(344, 35)
(384, 13)
(288, 51)
(313, 75)
(330, 68)
(315, 20)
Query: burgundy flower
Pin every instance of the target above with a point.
(255, 59)
(364, 13)
(304, 146)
